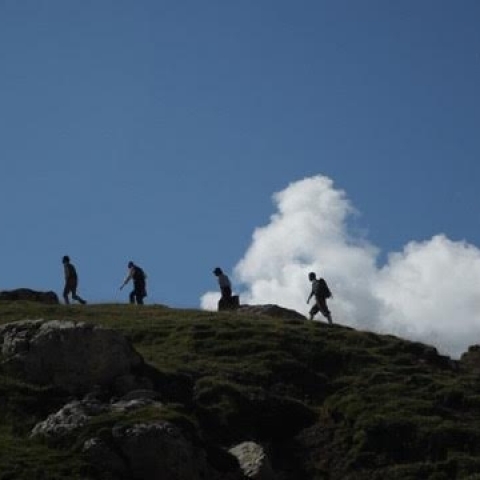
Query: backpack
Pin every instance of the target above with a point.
(138, 274)
(322, 289)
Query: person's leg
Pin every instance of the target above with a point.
(328, 316)
(139, 292)
(226, 298)
(132, 296)
(314, 310)
(77, 297)
(322, 306)
(142, 291)
(66, 291)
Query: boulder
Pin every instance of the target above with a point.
(253, 461)
(75, 356)
(231, 303)
(68, 419)
(141, 450)
(26, 294)
(271, 311)
(77, 413)
(148, 451)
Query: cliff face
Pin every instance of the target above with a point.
(120, 392)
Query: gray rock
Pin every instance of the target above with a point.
(253, 461)
(140, 451)
(75, 356)
(140, 395)
(69, 418)
(77, 413)
(271, 311)
(26, 294)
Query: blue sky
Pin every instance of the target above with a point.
(158, 131)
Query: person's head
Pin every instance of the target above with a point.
(312, 276)
(130, 264)
(217, 271)
(66, 259)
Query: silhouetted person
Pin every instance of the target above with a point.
(227, 300)
(71, 281)
(224, 284)
(137, 275)
(321, 292)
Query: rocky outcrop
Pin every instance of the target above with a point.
(231, 303)
(68, 419)
(140, 450)
(120, 436)
(76, 414)
(26, 294)
(74, 356)
(253, 461)
(143, 451)
(271, 311)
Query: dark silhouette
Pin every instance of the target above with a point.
(28, 295)
(227, 300)
(71, 281)
(321, 292)
(137, 275)
(223, 283)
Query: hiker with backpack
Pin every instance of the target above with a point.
(71, 281)
(321, 292)
(227, 301)
(137, 275)
(223, 283)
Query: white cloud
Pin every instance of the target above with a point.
(428, 292)
(431, 292)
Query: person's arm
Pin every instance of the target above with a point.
(127, 278)
(311, 293)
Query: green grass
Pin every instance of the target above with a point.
(331, 402)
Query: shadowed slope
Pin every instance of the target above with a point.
(329, 402)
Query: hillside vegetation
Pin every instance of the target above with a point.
(328, 403)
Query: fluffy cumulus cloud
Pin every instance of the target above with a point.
(428, 292)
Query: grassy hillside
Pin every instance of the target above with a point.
(329, 402)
